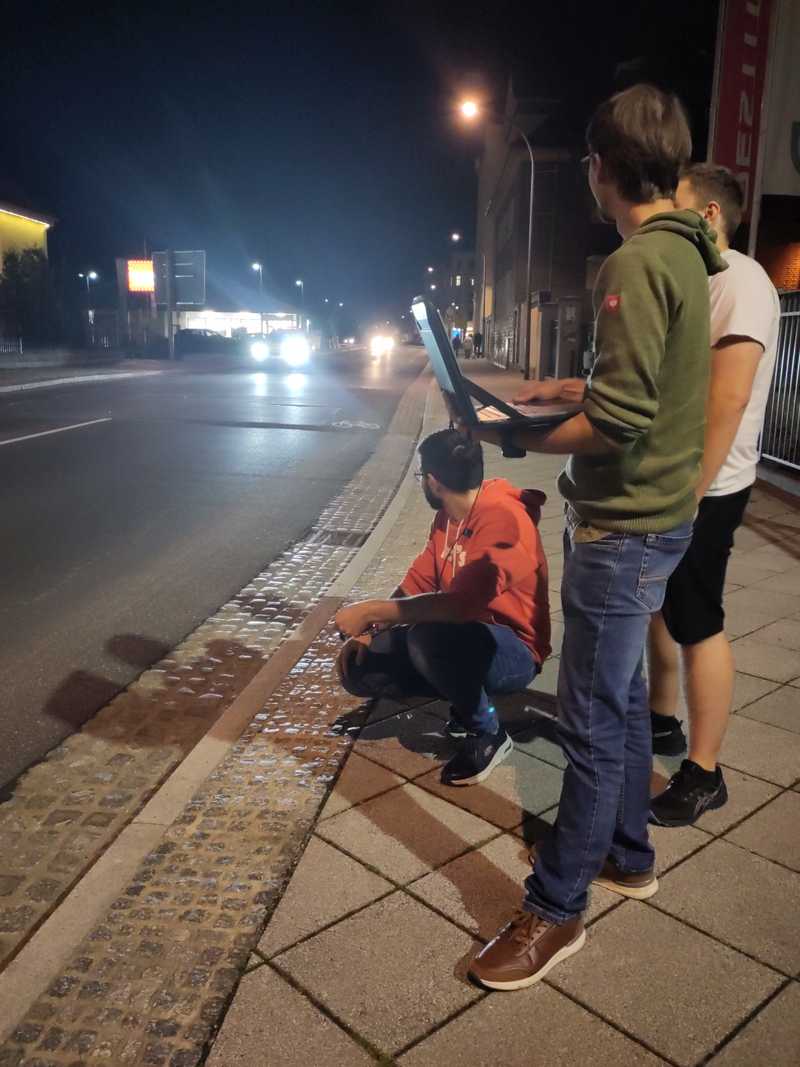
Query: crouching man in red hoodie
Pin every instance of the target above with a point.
(471, 618)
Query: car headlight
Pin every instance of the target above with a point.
(259, 350)
(296, 351)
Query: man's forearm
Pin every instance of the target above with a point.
(575, 435)
(427, 607)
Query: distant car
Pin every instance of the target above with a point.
(202, 342)
(349, 342)
(288, 347)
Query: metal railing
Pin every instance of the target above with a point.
(11, 346)
(780, 438)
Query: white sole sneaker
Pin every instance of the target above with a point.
(641, 892)
(558, 957)
(502, 753)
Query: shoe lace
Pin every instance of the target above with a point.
(524, 926)
(685, 779)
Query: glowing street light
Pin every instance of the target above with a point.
(430, 270)
(455, 237)
(469, 109)
(89, 276)
(260, 271)
(341, 304)
(433, 287)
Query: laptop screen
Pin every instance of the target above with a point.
(443, 361)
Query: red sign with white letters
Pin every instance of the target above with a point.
(736, 110)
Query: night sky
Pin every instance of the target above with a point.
(322, 144)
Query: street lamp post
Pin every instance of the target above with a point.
(299, 284)
(470, 110)
(89, 277)
(258, 267)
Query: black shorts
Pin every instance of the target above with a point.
(693, 602)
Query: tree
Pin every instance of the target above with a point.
(26, 299)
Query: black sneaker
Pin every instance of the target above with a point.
(689, 793)
(668, 736)
(477, 756)
(453, 728)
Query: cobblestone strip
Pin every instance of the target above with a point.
(65, 811)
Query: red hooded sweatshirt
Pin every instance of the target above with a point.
(494, 560)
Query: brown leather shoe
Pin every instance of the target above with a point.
(639, 886)
(525, 950)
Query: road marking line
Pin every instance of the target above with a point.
(60, 429)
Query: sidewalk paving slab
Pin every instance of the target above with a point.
(672, 987)
(773, 832)
(406, 832)
(537, 1026)
(773, 1037)
(271, 1020)
(759, 917)
(391, 972)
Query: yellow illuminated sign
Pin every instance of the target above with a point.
(141, 277)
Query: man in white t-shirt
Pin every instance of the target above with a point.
(745, 314)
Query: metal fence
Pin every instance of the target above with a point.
(11, 346)
(780, 439)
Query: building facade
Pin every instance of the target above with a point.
(21, 229)
(532, 317)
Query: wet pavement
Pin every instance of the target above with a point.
(155, 502)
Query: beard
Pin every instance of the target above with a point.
(434, 501)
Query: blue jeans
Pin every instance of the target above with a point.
(610, 588)
(460, 662)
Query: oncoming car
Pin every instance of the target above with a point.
(381, 345)
(290, 347)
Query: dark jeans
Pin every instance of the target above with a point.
(459, 662)
(610, 588)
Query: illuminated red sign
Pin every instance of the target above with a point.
(736, 111)
(141, 277)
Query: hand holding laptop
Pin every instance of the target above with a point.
(569, 390)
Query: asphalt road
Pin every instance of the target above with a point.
(147, 522)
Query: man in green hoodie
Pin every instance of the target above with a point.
(634, 459)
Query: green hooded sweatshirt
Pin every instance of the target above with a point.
(648, 387)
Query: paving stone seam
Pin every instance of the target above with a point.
(402, 885)
(759, 777)
(611, 1022)
(652, 903)
(380, 1057)
(334, 922)
(723, 836)
(744, 1023)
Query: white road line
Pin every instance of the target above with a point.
(60, 429)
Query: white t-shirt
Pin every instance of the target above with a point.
(744, 303)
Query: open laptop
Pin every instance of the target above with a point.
(467, 402)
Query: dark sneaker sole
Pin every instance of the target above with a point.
(669, 745)
(718, 800)
(523, 983)
(502, 753)
(635, 892)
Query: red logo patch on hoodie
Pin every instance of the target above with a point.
(612, 302)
